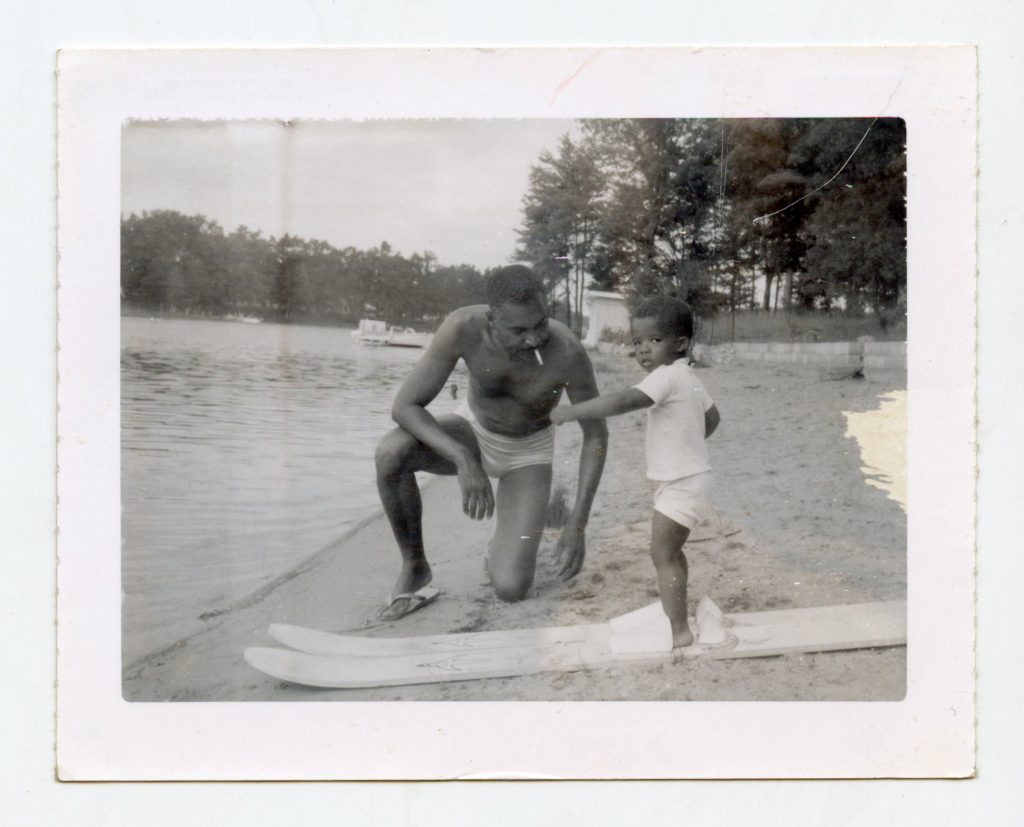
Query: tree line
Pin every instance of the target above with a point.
(787, 214)
(187, 264)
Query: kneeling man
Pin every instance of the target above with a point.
(519, 362)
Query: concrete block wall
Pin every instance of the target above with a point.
(885, 360)
(881, 360)
(815, 354)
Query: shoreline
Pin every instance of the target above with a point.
(264, 591)
(768, 551)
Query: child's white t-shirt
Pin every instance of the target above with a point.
(675, 423)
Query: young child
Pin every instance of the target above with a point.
(680, 416)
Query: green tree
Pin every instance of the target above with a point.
(560, 223)
(185, 264)
(449, 287)
(173, 261)
(249, 271)
(324, 270)
(710, 210)
(766, 213)
(290, 292)
(660, 226)
(856, 234)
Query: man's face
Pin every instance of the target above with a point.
(520, 327)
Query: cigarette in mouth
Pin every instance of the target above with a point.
(540, 360)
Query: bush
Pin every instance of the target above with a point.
(615, 337)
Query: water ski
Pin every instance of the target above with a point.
(346, 661)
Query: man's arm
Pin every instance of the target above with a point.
(410, 412)
(572, 545)
(600, 407)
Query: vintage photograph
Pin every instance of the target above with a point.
(556, 413)
(564, 409)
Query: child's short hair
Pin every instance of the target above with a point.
(514, 284)
(672, 316)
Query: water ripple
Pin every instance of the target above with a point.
(245, 449)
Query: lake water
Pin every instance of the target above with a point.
(245, 449)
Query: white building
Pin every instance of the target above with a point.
(607, 312)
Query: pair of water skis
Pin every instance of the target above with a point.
(323, 659)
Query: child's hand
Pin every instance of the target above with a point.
(557, 416)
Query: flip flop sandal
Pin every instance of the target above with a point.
(413, 601)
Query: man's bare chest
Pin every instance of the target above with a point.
(524, 382)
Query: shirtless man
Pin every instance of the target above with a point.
(519, 361)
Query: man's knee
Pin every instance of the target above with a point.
(512, 587)
(510, 582)
(393, 452)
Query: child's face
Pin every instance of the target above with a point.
(653, 347)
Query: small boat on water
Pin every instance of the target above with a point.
(375, 332)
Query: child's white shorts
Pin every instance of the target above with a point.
(686, 499)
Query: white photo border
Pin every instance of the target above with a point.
(928, 734)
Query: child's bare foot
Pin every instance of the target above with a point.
(685, 653)
(682, 636)
(695, 649)
(683, 645)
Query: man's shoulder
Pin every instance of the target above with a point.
(469, 315)
(570, 354)
(464, 326)
(568, 341)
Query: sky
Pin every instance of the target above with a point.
(453, 187)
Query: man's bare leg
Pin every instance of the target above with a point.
(520, 510)
(399, 456)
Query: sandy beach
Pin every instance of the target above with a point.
(797, 524)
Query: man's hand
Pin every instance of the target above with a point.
(572, 548)
(557, 416)
(477, 496)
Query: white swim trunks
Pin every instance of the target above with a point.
(501, 454)
(684, 500)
